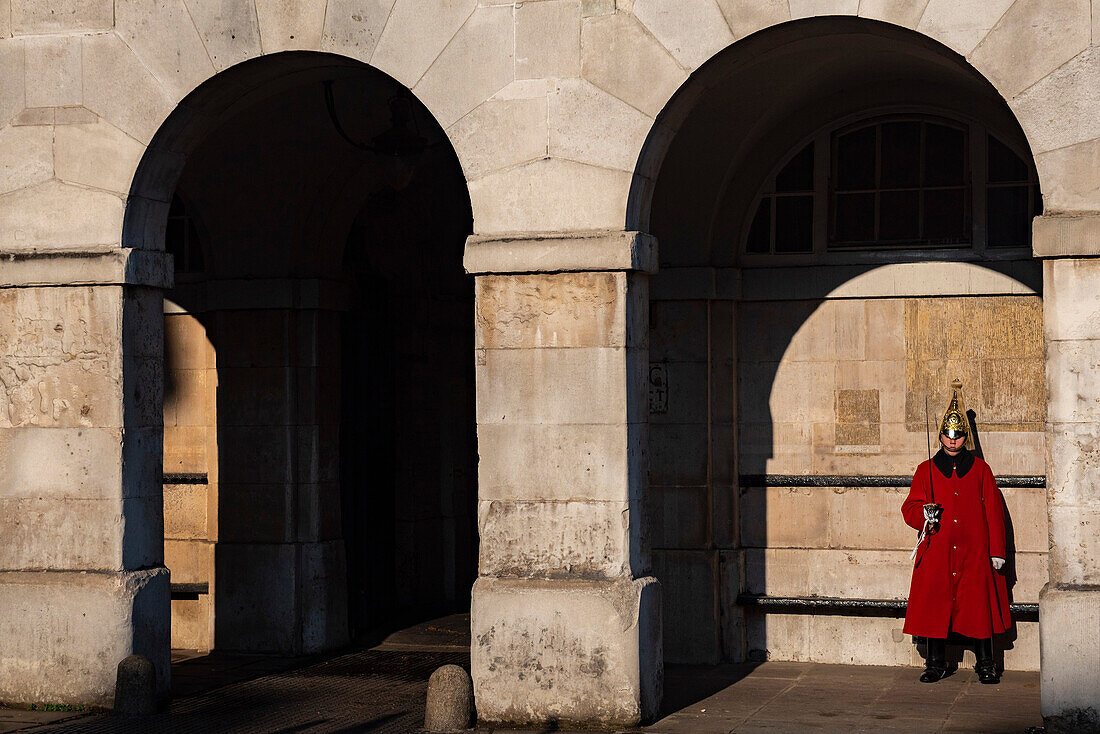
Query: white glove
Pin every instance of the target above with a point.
(997, 562)
(932, 513)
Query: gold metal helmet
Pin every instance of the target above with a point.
(955, 423)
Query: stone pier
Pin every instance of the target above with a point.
(1069, 605)
(82, 577)
(566, 617)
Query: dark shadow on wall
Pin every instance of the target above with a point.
(334, 298)
(729, 129)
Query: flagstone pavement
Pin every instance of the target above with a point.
(381, 689)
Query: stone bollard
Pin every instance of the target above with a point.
(450, 705)
(136, 687)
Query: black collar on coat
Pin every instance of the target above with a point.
(961, 463)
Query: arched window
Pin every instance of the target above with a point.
(181, 240)
(896, 183)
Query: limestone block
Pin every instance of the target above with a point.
(557, 310)
(185, 449)
(961, 25)
(119, 88)
(352, 27)
(687, 394)
(871, 574)
(867, 517)
(800, 392)
(776, 448)
(678, 454)
(253, 512)
(12, 96)
(482, 144)
(258, 453)
(53, 71)
(98, 155)
(692, 31)
(620, 57)
(290, 24)
(555, 252)
(560, 462)
(856, 641)
(691, 632)
(548, 39)
(1030, 40)
(324, 596)
(584, 652)
(678, 331)
(191, 561)
(1016, 453)
(27, 156)
(254, 396)
(677, 517)
(257, 338)
(476, 63)
(745, 18)
(810, 8)
(192, 623)
(98, 619)
(229, 30)
(777, 636)
(1071, 303)
(185, 511)
(42, 383)
(580, 116)
(1058, 110)
(1072, 471)
(167, 42)
(1073, 381)
(319, 512)
(29, 218)
(1069, 178)
(557, 539)
(256, 599)
(585, 385)
(726, 512)
(776, 517)
(85, 533)
(1032, 572)
(905, 13)
(731, 616)
(408, 45)
(1074, 544)
(550, 195)
(187, 397)
(5, 18)
(1069, 635)
(30, 17)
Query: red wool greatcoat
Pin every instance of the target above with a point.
(955, 587)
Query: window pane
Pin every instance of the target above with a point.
(945, 217)
(900, 154)
(899, 216)
(794, 224)
(944, 156)
(855, 164)
(855, 218)
(760, 230)
(798, 174)
(1004, 165)
(1006, 216)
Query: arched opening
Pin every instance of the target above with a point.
(319, 443)
(843, 209)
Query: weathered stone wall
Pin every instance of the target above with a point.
(191, 455)
(824, 388)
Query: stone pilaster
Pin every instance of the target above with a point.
(565, 614)
(1069, 605)
(82, 576)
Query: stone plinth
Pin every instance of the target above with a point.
(566, 617)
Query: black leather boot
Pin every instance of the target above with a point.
(986, 668)
(935, 664)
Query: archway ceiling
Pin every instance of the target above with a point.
(755, 105)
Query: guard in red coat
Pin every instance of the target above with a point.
(957, 581)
